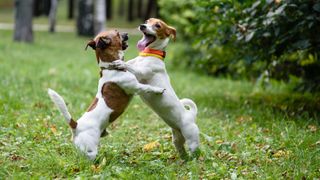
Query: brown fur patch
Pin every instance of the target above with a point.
(115, 98)
(111, 53)
(163, 30)
(93, 105)
(73, 124)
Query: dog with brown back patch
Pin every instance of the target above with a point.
(115, 89)
(149, 68)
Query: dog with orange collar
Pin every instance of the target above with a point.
(149, 68)
(115, 90)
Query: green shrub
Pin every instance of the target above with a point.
(277, 39)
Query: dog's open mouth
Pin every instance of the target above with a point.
(145, 41)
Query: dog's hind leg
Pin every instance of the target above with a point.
(178, 141)
(190, 132)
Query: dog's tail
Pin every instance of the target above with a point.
(59, 102)
(192, 107)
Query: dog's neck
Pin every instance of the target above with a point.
(109, 57)
(106, 65)
(160, 54)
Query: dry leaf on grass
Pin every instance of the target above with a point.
(53, 129)
(312, 128)
(244, 118)
(281, 153)
(95, 168)
(151, 146)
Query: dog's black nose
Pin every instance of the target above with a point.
(142, 27)
(124, 36)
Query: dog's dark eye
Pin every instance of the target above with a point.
(157, 26)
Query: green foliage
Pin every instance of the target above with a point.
(275, 39)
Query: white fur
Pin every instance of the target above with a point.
(59, 102)
(151, 70)
(91, 124)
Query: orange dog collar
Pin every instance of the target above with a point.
(153, 52)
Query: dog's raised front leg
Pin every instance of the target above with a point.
(144, 88)
(139, 72)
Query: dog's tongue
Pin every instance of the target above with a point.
(142, 43)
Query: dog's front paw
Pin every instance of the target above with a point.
(160, 90)
(164, 89)
(119, 65)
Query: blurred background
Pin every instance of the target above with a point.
(256, 40)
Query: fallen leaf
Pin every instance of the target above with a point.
(312, 128)
(75, 170)
(15, 157)
(167, 136)
(151, 146)
(315, 144)
(95, 168)
(281, 153)
(103, 163)
(39, 105)
(53, 129)
(244, 118)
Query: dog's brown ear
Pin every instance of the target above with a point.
(172, 32)
(92, 44)
(103, 42)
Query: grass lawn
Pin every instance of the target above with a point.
(246, 132)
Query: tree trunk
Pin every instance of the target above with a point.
(85, 18)
(151, 7)
(139, 9)
(52, 15)
(99, 16)
(23, 21)
(130, 11)
(109, 9)
(121, 9)
(70, 9)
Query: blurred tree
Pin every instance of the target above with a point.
(139, 9)
(70, 9)
(109, 9)
(130, 11)
(99, 16)
(52, 15)
(85, 18)
(152, 7)
(265, 39)
(23, 21)
(121, 8)
(41, 7)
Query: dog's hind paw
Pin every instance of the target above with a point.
(196, 154)
(104, 133)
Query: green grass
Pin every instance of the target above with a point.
(246, 132)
